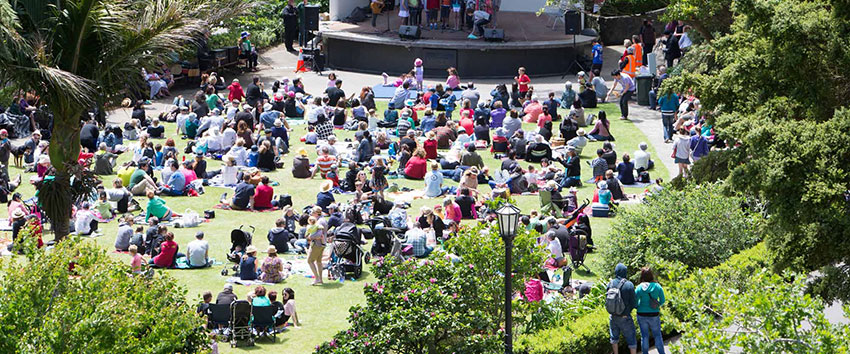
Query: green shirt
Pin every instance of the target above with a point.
(212, 100)
(137, 176)
(301, 14)
(156, 207)
(642, 293)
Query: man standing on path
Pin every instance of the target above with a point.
(669, 104)
(302, 24)
(628, 89)
(647, 36)
(290, 24)
(620, 301)
(597, 55)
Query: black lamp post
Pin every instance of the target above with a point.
(508, 216)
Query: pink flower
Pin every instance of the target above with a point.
(405, 298)
(433, 280)
(471, 266)
(454, 296)
(390, 275)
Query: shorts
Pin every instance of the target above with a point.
(455, 8)
(445, 10)
(432, 14)
(684, 161)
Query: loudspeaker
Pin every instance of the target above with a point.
(311, 17)
(572, 22)
(494, 35)
(409, 32)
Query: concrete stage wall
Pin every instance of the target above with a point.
(478, 62)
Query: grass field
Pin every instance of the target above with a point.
(323, 310)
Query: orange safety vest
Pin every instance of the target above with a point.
(630, 67)
(638, 55)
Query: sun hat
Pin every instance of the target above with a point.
(327, 185)
(251, 249)
(271, 250)
(643, 145)
(602, 185)
(581, 132)
(418, 62)
(302, 152)
(278, 123)
(18, 213)
(267, 107)
(4, 131)
(228, 286)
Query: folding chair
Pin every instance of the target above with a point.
(556, 13)
(547, 206)
(264, 321)
(219, 316)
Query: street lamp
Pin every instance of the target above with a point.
(508, 216)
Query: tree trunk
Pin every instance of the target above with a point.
(704, 32)
(64, 149)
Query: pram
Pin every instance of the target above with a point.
(578, 248)
(383, 234)
(240, 323)
(346, 255)
(239, 239)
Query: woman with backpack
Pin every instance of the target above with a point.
(650, 297)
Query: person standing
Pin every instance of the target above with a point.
(596, 50)
(628, 89)
(620, 301)
(647, 36)
(671, 50)
(290, 24)
(682, 152)
(669, 105)
(522, 81)
(650, 297)
(377, 6)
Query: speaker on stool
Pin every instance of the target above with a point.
(494, 35)
(409, 32)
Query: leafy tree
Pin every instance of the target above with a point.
(780, 92)
(75, 298)
(697, 227)
(76, 54)
(443, 304)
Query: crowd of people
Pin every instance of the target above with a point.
(438, 134)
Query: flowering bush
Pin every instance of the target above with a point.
(440, 305)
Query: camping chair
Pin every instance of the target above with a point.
(578, 249)
(547, 205)
(219, 316)
(264, 321)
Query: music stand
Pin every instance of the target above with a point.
(590, 32)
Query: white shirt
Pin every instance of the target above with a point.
(641, 159)
(240, 154)
(313, 113)
(82, 224)
(228, 175)
(197, 252)
(555, 248)
(228, 137)
(231, 112)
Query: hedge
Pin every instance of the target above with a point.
(587, 334)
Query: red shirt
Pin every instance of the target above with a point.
(165, 258)
(430, 147)
(468, 125)
(432, 4)
(416, 167)
(263, 196)
(523, 83)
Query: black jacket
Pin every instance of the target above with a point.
(279, 238)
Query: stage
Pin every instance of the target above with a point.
(528, 42)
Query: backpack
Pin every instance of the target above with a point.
(643, 177)
(614, 299)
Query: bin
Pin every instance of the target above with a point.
(644, 84)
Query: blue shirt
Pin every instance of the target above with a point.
(433, 184)
(669, 103)
(427, 123)
(253, 156)
(597, 53)
(177, 181)
(268, 118)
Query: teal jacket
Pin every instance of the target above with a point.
(643, 291)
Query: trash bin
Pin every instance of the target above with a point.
(644, 84)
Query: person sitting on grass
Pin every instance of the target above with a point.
(198, 251)
(272, 267)
(248, 264)
(168, 253)
(416, 165)
(156, 207)
(418, 240)
(176, 184)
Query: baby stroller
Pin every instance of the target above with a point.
(346, 255)
(383, 234)
(240, 323)
(239, 241)
(578, 248)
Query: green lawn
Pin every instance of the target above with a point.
(323, 310)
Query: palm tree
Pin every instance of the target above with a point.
(76, 54)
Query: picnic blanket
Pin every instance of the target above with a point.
(407, 196)
(5, 225)
(20, 124)
(637, 185)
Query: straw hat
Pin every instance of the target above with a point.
(581, 132)
(278, 123)
(18, 213)
(327, 185)
(271, 250)
(302, 152)
(251, 249)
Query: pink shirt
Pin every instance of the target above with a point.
(453, 81)
(542, 119)
(532, 111)
(136, 263)
(453, 212)
(189, 175)
(533, 290)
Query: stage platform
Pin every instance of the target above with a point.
(528, 42)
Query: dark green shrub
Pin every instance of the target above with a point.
(698, 227)
(587, 334)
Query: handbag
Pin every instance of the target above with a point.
(673, 155)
